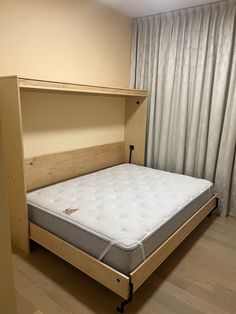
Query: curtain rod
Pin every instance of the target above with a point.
(177, 10)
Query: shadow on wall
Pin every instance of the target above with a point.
(78, 121)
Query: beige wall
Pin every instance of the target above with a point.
(77, 41)
(7, 294)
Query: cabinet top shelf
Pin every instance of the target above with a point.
(32, 84)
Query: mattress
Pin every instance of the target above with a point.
(119, 215)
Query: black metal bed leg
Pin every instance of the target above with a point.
(121, 307)
(217, 203)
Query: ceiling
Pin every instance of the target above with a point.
(135, 8)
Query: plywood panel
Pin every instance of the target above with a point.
(45, 170)
(135, 128)
(101, 272)
(7, 295)
(11, 128)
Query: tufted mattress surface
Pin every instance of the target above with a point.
(120, 214)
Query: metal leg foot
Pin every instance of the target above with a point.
(121, 307)
(217, 203)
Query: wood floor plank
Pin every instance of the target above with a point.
(218, 301)
(176, 305)
(228, 295)
(191, 299)
(24, 305)
(37, 297)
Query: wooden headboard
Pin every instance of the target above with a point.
(48, 169)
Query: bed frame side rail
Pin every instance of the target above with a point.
(144, 270)
(106, 275)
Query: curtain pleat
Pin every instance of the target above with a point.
(187, 60)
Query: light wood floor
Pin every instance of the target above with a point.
(199, 277)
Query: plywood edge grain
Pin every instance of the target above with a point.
(109, 277)
(78, 88)
(8, 77)
(135, 129)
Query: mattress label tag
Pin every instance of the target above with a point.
(70, 211)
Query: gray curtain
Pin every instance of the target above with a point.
(186, 59)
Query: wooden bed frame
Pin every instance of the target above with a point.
(24, 175)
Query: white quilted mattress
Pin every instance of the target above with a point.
(124, 205)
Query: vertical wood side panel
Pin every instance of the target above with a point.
(135, 128)
(11, 128)
(7, 289)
